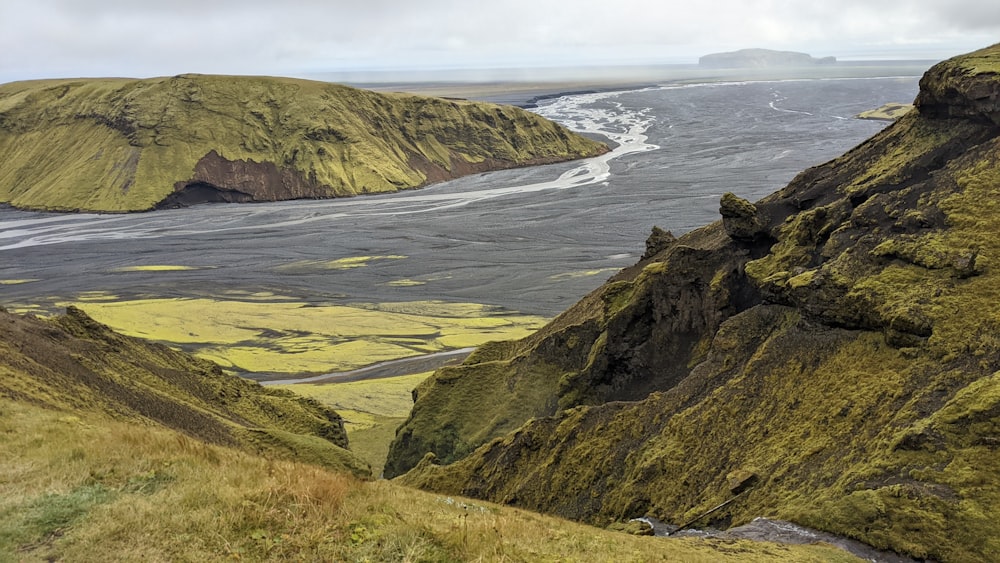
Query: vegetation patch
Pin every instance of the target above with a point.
(582, 274)
(347, 263)
(155, 268)
(119, 144)
(59, 501)
(887, 112)
(41, 520)
(372, 409)
(266, 333)
(17, 282)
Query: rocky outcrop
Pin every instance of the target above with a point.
(834, 340)
(76, 364)
(135, 145)
(761, 58)
(967, 89)
(740, 218)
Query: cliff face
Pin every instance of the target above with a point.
(74, 364)
(134, 145)
(835, 340)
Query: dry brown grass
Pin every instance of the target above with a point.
(90, 489)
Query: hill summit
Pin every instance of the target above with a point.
(135, 145)
(827, 355)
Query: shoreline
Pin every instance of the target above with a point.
(381, 370)
(526, 92)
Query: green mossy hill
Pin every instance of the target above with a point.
(837, 339)
(134, 145)
(74, 364)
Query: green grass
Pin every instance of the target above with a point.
(276, 334)
(888, 112)
(141, 493)
(125, 145)
(32, 525)
(372, 410)
(78, 365)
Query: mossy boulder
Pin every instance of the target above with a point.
(846, 356)
(135, 145)
(741, 218)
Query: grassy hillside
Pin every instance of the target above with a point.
(133, 145)
(113, 449)
(88, 488)
(835, 342)
(77, 365)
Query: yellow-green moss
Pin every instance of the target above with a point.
(123, 145)
(76, 364)
(98, 489)
(269, 333)
(887, 112)
(856, 373)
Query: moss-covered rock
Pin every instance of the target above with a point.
(639, 333)
(76, 364)
(134, 145)
(846, 356)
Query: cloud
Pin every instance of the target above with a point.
(130, 37)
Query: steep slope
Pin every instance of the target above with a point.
(77, 365)
(834, 346)
(134, 145)
(81, 487)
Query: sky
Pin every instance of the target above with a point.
(142, 38)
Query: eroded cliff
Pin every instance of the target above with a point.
(836, 341)
(135, 145)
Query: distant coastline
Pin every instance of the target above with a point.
(527, 92)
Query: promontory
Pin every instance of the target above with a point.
(116, 144)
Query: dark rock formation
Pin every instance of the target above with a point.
(658, 241)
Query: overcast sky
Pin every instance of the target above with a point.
(60, 38)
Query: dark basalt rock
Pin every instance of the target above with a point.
(740, 218)
(658, 241)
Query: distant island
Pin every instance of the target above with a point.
(761, 58)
